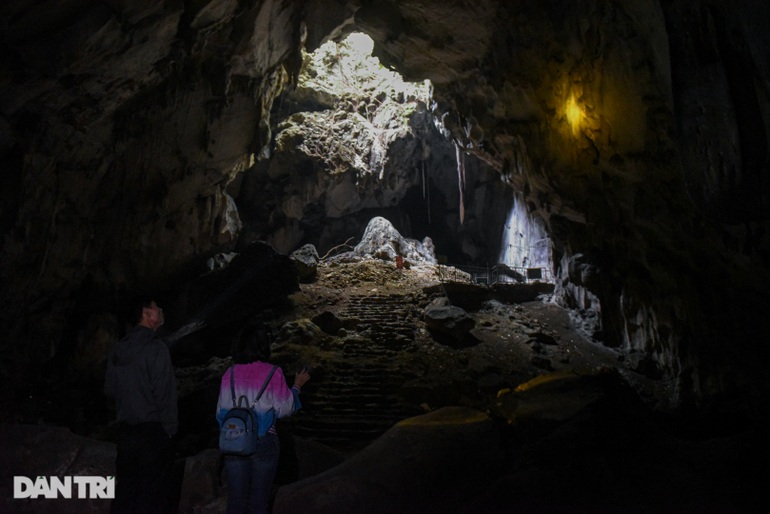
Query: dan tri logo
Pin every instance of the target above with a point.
(84, 487)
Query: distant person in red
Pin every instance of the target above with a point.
(140, 377)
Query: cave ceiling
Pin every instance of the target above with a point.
(636, 131)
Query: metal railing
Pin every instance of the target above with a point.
(498, 274)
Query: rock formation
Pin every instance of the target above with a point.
(448, 322)
(382, 241)
(425, 464)
(305, 261)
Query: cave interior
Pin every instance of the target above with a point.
(622, 148)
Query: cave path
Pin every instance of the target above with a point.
(361, 395)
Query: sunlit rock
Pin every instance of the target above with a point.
(382, 241)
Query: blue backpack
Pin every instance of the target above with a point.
(239, 433)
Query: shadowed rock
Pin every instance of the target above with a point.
(428, 463)
(328, 322)
(305, 261)
(448, 322)
(37, 450)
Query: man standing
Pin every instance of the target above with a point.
(141, 379)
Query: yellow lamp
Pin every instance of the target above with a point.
(574, 114)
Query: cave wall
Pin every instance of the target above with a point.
(678, 289)
(637, 131)
(124, 123)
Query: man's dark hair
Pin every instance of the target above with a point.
(252, 343)
(138, 304)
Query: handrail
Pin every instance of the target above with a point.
(498, 274)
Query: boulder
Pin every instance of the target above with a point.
(382, 241)
(205, 485)
(301, 331)
(201, 485)
(429, 463)
(328, 322)
(449, 322)
(550, 397)
(224, 296)
(220, 260)
(44, 451)
(305, 261)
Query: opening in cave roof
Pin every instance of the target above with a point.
(348, 69)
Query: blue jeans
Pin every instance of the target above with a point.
(250, 479)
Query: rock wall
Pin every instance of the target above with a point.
(584, 107)
(124, 123)
(637, 132)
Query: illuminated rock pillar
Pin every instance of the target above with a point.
(525, 243)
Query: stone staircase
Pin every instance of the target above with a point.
(389, 320)
(359, 395)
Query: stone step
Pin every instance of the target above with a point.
(355, 400)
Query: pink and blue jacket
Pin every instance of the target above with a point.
(277, 401)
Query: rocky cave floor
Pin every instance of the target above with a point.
(382, 364)
(576, 436)
(571, 431)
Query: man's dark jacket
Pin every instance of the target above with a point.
(141, 378)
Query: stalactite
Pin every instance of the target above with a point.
(460, 178)
(423, 180)
(426, 187)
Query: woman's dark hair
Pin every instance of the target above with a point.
(252, 343)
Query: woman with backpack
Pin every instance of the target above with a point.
(263, 385)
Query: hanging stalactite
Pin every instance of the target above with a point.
(426, 187)
(460, 178)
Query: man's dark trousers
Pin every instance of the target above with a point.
(144, 470)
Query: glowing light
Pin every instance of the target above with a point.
(348, 67)
(361, 43)
(574, 114)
